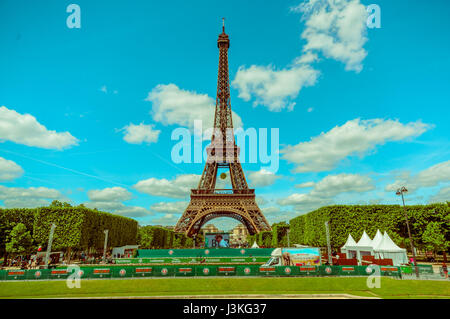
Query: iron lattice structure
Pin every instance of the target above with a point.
(207, 202)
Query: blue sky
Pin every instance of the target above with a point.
(86, 114)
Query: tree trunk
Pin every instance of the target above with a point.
(444, 254)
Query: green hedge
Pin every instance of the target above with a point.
(155, 237)
(279, 235)
(76, 227)
(343, 220)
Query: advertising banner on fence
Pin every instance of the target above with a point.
(301, 256)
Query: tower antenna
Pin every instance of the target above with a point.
(223, 25)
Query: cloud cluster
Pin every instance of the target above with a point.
(336, 29)
(355, 137)
(179, 187)
(25, 129)
(169, 207)
(137, 134)
(109, 194)
(325, 190)
(17, 197)
(432, 176)
(262, 178)
(174, 106)
(9, 170)
(110, 200)
(442, 196)
(273, 88)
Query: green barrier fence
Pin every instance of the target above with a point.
(425, 269)
(207, 252)
(187, 270)
(247, 270)
(205, 270)
(188, 260)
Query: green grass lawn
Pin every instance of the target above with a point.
(390, 288)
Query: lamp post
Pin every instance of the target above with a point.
(327, 232)
(49, 245)
(288, 242)
(400, 192)
(105, 245)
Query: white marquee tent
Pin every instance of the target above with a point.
(362, 248)
(255, 245)
(377, 239)
(387, 249)
(347, 248)
(382, 247)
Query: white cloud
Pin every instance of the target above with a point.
(337, 29)
(305, 185)
(355, 137)
(172, 105)
(109, 194)
(137, 134)
(25, 129)
(110, 200)
(9, 170)
(432, 176)
(270, 210)
(165, 220)
(442, 196)
(180, 187)
(333, 185)
(260, 200)
(326, 189)
(17, 197)
(118, 208)
(169, 207)
(262, 178)
(273, 88)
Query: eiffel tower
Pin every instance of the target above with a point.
(207, 202)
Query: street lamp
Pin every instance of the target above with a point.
(105, 245)
(400, 192)
(287, 231)
(49, 245)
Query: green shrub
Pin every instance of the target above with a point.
(343, 220)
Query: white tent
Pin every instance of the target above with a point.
(387, 249)
(362, 248)
(255, 245)
(347, 248)
(377, 239)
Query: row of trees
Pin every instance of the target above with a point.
(22, 231)
(275, 238)
(155, 237)
(430, 226)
